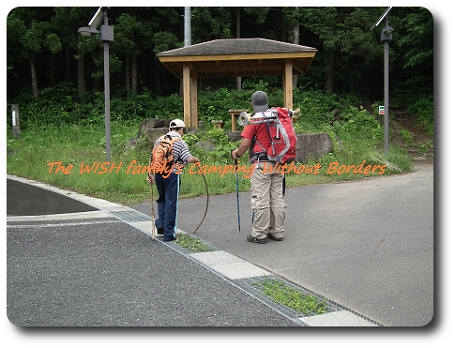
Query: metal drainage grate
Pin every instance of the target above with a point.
(130, 216)
(251, 284)
(331, 306)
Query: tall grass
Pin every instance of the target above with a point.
(57, 155)
(356, 135)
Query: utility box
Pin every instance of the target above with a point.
(107, 33)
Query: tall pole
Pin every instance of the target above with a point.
(238, 79)
(187, 26)
(386, 94)
(386, 36)
(107, 94)
(106, 34)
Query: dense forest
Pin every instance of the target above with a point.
(44, 49)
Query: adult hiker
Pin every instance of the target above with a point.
(267, 200)
(165, 170)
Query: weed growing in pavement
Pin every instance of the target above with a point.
(191, 243)
(281, 293)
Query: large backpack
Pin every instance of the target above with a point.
(161, 158)
(283, 140)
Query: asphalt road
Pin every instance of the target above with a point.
(80, 267)
(368, 244)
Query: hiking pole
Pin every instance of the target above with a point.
(177, 204)
(237, 193)
(153, 212)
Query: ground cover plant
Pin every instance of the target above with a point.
(63, 143)
(191, 243)
(305, 304)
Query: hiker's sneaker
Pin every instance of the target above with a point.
(252, 239)
(170, 239)
(272, 237)
(160, 230)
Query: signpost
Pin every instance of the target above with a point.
(15, 120)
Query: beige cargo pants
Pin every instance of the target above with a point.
(267, 202)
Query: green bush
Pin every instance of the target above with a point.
(423, 109)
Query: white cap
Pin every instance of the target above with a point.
(177, 123)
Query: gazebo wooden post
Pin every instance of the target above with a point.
(194, 123)
(190, 104)
(288, 85)
(187, 95)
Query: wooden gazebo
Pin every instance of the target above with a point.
(235, 57)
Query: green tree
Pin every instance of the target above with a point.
(345, 38)
(413, 42)
(127, 31)
(44, 48)
(211, 23)
(34, 36)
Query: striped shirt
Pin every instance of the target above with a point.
(180, 150)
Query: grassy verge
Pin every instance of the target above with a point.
(281, 293)
(73, 157)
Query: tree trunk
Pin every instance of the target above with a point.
(157, 77)
(68, 65)
(329, 72)
(134, 73)
(34, 76)
(81, 87)
(127, 72)
(296, 30)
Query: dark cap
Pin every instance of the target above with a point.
(260, 101)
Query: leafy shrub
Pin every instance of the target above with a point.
(358, 126)
(423, 108)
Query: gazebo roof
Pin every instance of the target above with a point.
(239, 57)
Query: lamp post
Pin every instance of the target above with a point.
(386, 37)
(106, 35)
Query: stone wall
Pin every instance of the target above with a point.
(312, 146)
(309, 146)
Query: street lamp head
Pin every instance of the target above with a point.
(95, 26)
(386, 33)
(87, 31)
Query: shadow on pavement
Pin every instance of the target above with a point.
(22, 200)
